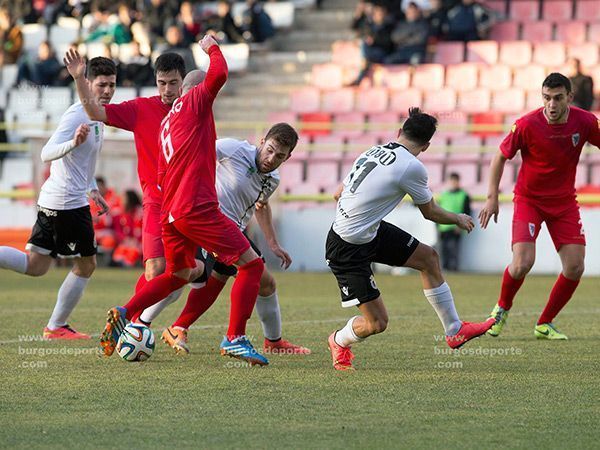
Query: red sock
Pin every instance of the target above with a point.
(243, 297)
(141, 282)
(509, 289)
(153, 292)
(198, 301)
(559, 296)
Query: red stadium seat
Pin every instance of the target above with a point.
(449, 53)
(349, 124)
(549, 54)
(528, 77)
(557, 10)
(587, 53)
(346, 53)
(340, 100)
(371, 100)
(452, 125)
(305, 100)
(402, 100)
(477, 100)
(571, 32)
(327, 76)
(509, 101)
(515, 53)
(394, 77)
(487, 124)
(428, 77)
(525, 10)
(505, 31)
(315, 123)
(441, 101)
(482, 52)
(462, 77)
(495, 77)
(536, 31)
(587, 10)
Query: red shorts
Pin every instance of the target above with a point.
(562, 220)
(211, 230)
(152, 244)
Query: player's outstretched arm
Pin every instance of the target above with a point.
(434, 212)
(491, 207)
(217, 71)
(264, 217)
(76, 66)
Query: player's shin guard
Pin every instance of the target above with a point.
(198, 302)
(561, 294)
(243, 297)
(510, 287)
(153, 292)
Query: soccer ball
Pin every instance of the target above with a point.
(136, 343)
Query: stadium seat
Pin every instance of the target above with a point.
(466, 165)
(428, 77)
(534, 99)
(452, 125)
(349, 125)
(30, 121)
(323, 174)
(281, 13)
(122, 94)
(594, 33)
(291, 173)
(475, 101)
(371, 100)
(595, 74)
(536, 31)
(587, 10)
(509, 101)
(55, 100)
(571, 32)
(486, 124)
(315, 123)
(305, 100)
(346, 53)
(400, 101)
(505, 31)
(549, 54)
(557, 10)
(9, 75)
(498, 6)
(327, 76)
(525, 10)
(33, 35)
(3, 98)
(282, 116)
(529, 77)
(434, 159)
(582, 175)
(515, 53)
(462, 77)
(383, 121)
(395, 77)
(440, 101)
(328, 147)
(61, 36)
(340, 100)
(148, 91)
(362, 142)
(449, 53)
(495, 77)
(236, 55)
(469, 144)
(491, 144)
(482, 52)
(23, 99)
(587, 53)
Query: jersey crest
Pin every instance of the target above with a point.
(575, 139)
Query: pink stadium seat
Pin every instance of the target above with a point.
(477, 100)
(452, 125)
(462, 77)
(328, 147)
(394, 77)
(346, 53)
(362, 142)
(482, 52)
(438, 147)
(322, 174)
(525, 10)
(509, 101)
(434, 163)
(383, 121)
(581, 177)
(587, 10)
(340, 100)
(292, 173)
(282, 116)
(515, 53)
(486, 124)
(449, 53)
(550, 54)
(594, 33)
(402, 100)
(466, 144)
(587, 53)
(528, 77)
(305, 100)
(534, 99)
(492, 144)
(495, 77)
(536, 31)
(466, 165)
(428, 77)
(505, 31)
(557, 10)
(498, 6)
(571, 32)
(595, 74)
(327, 76)
(371, 100)
(349, 124)
(594, 163)
(441, 101)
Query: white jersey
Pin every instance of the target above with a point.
(72, 169)
(378, 181)
(239, 183)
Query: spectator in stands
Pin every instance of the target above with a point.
(175, 44)
(583, 85)
(11, 38)
(128, 231)
(436, 17)
(138, 69)
(64, 77)
(188, 24)
(43, 71)
(106, 30)
(258, 22)
(156, 14)
(104, 224)
(455, 200)
(222, 26)
(409, 38)
(467, 21)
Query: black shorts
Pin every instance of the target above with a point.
(211, 264)
(351, 263)
(68, 233)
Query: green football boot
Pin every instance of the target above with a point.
(548, 331)
(499, 315)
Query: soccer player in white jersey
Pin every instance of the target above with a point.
(379, 180)
(246, 178)
(64, 223)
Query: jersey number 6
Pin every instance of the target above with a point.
(167, 146)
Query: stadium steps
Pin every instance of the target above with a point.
(328, 19)
(309, 40)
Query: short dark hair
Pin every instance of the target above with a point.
(284, 134)
(419, 127)
(100, 66)
(168, 62)
(455, 175)
(556, 80)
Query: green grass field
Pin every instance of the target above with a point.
(406, 392)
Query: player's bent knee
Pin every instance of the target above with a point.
(574, 271)
(84, 269)
(37, 265)
(378, 325)
(267, 285)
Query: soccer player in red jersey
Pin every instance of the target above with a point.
(142, 116)
(190, 212)
(550, 140)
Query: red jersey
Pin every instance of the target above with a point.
(142, 116)
(550, 152)
(188, 159)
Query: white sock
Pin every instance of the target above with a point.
(346, 336)
(268, 312)
(13, 259)
(442, 302)
(69, 294)
(151, 313)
